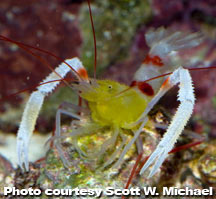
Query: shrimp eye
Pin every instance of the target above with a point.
(110, 86)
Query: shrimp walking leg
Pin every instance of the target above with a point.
(114, 154)
(58, 133)
(127, 147)
(109, 143)
(139, 145)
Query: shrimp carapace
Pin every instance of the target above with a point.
(109, 108)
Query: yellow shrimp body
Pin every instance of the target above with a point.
(110, 109)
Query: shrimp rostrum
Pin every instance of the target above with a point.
(118, 106)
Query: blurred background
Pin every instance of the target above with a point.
(63, 28)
